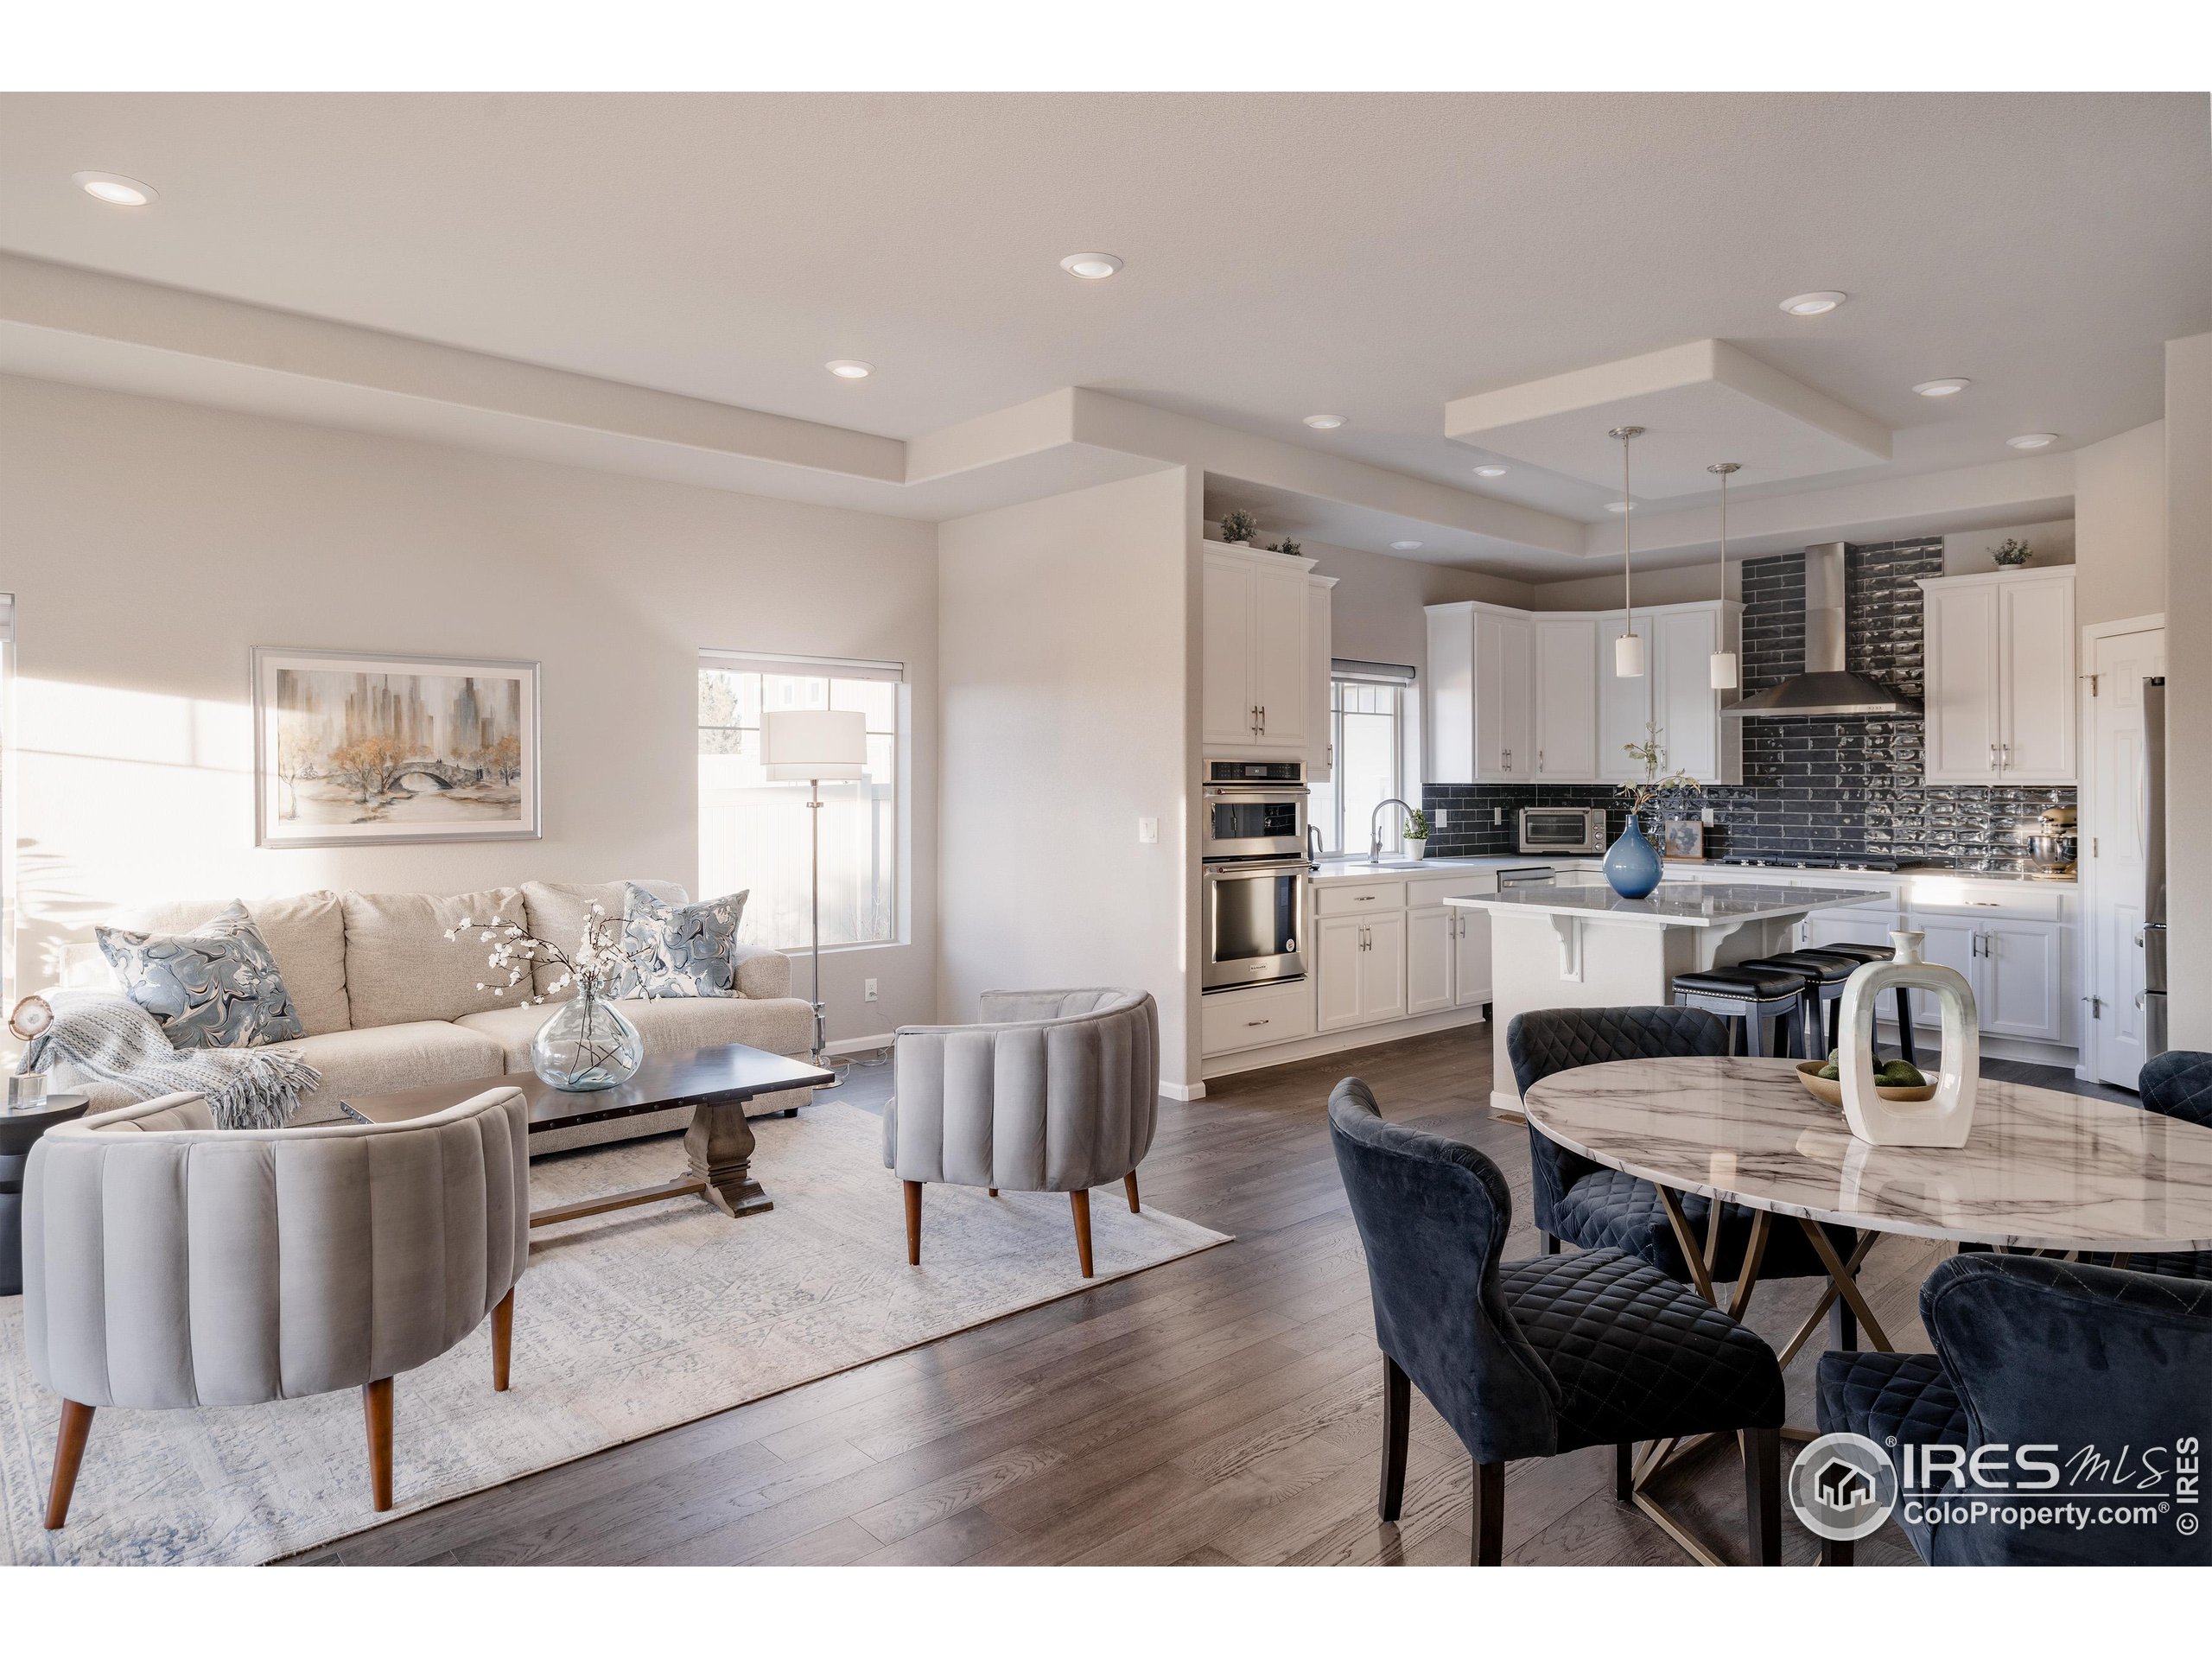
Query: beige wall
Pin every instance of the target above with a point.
(151, 545)
(2188, 687)
(1680, 584)
(1375, 607)
(1066, 649)
(2120, 519)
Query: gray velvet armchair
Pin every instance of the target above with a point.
(167, 1263)
(1055, 1091)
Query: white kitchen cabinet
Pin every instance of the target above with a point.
(1255, 1017)
(1321, 644)
(2000, 692)
(1361, 966)
(1256, 692)
(1431, 960)
(1470, 972)
(1623, 705)
(1480, 697)
(1699, 738)
(2021, 989)
(1564, 676)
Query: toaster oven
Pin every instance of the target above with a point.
(1562, 829)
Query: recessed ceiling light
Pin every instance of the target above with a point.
(1941, 388)
(114, 189)
(849, 368)
(1091, 267)
(1403, 547)
(1814, 305)
(1490, 472)
(1324, 423)
(1620, 506)
(2032, 441)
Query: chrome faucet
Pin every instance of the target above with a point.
(1375, 826)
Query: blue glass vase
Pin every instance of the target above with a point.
(1632, 866)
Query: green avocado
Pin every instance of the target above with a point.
(1903, 1074)
(1833, 1073)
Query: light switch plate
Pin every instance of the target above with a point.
(867, 990)
(1440, 816)
(1149, 830)
(1496, 816)
(1709, 816)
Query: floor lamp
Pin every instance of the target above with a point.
(812, 747)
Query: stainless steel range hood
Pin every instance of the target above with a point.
(1825, 687)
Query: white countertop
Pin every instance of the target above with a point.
(1673, 904)
(1358, 869)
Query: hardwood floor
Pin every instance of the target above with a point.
(1223, 1409)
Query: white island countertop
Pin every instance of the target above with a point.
(1672, 903)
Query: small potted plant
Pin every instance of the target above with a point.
(1237, 526)
(2011, 557)
(1416, 835)
(1289, 547)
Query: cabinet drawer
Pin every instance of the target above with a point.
(1948, 895)
(1229, 1020)
(1359, 898)
(1459, 884)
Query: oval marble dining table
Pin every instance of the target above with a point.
(2041, 1170)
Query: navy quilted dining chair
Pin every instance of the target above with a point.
(1582, 1202)
(2031, 1353)
(1527, 1359)
(2178, 1083)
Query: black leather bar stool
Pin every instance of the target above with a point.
(1826, 970)
(1863, 954)
(1751, 996)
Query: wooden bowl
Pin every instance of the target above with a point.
(1832, 1091)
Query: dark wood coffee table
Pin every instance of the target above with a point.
(716, 1082)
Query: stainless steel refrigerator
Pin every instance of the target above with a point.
(2154, 868)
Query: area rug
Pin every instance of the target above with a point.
(624, 1324)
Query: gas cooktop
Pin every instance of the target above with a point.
(1866, 862)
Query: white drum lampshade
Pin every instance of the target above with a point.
(1628, 656)
(801, 745)
(1724, 670)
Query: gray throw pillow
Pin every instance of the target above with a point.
(216, 987)
(680, 950)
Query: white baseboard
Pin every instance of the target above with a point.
(1182, 1091)
(858, 1045)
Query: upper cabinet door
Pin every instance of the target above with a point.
(1964, 729)
(1280, 656)
(1565, 683)
(1623, 706)
(1320, 746)
(1229, 712)
(1682, 697)
(2036, 742)
(1503, 753)
(1449, 696)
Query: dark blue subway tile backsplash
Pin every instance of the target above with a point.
(1814, 788)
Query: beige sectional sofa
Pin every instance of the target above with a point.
(388, 1002)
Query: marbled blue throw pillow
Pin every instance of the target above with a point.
(217, 988)
(680, 950)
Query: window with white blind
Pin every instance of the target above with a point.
(1367, 734)
(753, 834)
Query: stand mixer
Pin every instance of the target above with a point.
(2051, 843)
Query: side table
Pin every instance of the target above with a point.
(19, 1128)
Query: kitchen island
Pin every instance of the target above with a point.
(1558, 946)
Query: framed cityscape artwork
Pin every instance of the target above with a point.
(356, 749)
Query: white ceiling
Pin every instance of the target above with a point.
(1375, 256)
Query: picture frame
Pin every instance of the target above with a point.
(379, 748)
(1683, 840)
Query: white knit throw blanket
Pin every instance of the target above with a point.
(109, 1038)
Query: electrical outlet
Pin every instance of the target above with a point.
(1709, 816)
(867, 990)
(1149, 830)
(1440, 814)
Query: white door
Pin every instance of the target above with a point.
(1339, 957)
(1953, 941)
(1227, 706)
(1383, 969)
(2036, 637)
(1623, 706)
(2023, 983)
(1471, 949)
(2113, 845)
(1681, 691)
(1963, 727)
(1429, 939)
(1566, 681)
(1503, 750)
(1279, 658)
(1320, 749)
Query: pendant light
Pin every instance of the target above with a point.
(1628, 650)
(1724, 662)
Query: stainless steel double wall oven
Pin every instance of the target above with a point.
(1255, 856)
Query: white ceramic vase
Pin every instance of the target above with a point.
(1943, 1120)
